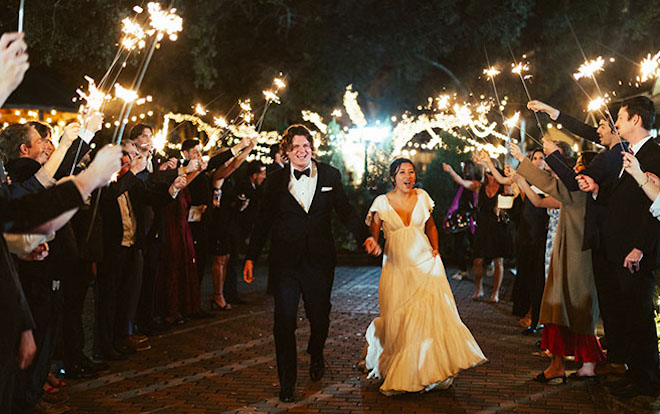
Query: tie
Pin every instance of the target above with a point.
(299, 174)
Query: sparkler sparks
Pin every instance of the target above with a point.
(589, 68)
(94, 96)
(315, 119)
(491, 72)
(513, 121)
(443, 101)
(271, 97)
(279, 83)
(520, 69)
(246, 111)
(597, 103)
(199, 109)
(650, 67)
(164, 22)
(127, 95)
(220, 122)
(135, 35)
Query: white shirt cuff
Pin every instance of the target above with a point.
(86, 135)
(173, 191)
(655, 208)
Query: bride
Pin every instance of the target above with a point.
(418, 342)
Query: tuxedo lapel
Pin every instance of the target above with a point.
(318, 185)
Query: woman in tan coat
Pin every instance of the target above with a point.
(569, 309)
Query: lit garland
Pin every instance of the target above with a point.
(353, 108)
(315, 119)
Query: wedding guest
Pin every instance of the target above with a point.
(631, 240)
(604, 169)
(490, 239)
(277, 157)
(569, 308)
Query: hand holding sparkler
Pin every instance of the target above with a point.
(138, 164)
(538, 106)
(106, 163)
(549, 146)
(180, 182)
(70, 133)
(92, 121)
(515, 152)
(447, 168)
(587, 184)
(632, 167)
(13, 63)
(168, 165)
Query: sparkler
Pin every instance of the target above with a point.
(271, 97)
(491, 72)
(443, 101)
(589, 68)
(164, 22)
(21, 14)
(220, 122)
(596, 104)
(524, 68)
(513, 121)
(126, 95)
(94, 97)
(650, 67)
(135, 35)
(199, 109)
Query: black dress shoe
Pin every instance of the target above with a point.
(286, 394)
(317, 369)
(125, 350)
(78, 372)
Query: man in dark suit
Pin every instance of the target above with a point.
(297, 211)
(604, 169)
(631, 241)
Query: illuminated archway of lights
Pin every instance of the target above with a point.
(237, 132)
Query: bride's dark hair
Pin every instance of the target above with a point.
(396, 166)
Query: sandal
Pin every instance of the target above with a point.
(545, 380)
(576, 377)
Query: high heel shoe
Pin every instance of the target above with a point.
(217, 306)
(545, 380)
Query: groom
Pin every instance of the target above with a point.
(297, 211)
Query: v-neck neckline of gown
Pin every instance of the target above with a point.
(397, 213)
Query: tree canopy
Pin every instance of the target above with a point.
(395, 52)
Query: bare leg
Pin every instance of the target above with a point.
(588, 369)
(219, 274)
(556, 368)
(478, 270)
(497, 279)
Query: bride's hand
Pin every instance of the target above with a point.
(435, 253)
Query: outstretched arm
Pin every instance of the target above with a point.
(469, 184)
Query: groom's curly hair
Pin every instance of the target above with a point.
(292, 131)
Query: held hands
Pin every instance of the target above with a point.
(549, 146)
(587, 184)
(180, 182)
(105, 164)
(372, 247)
(36, 255)
(515, 151)
(93, 121)
(538, 106)
(70, 132)
(631, 262)
(632, 167)
(435, 253)
(247, 271)
(169, 165)
(138, 164)
(13, 63)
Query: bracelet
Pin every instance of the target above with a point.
(645, 182)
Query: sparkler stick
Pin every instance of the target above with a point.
(593, 77)
(491, 72)
(518, 68)
(21, 14)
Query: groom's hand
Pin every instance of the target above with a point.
(247, 271)
(372, 247)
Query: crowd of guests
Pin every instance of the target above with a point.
(585, 243)
(140, 229)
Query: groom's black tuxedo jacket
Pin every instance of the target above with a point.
(298, 235)
(629, 222)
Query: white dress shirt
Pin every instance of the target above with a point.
(655, 208)
(303, 188)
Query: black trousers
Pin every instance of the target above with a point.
(609, 304)
(118, 287)
(8, 369)
(287, 285)
(635, 305)
(45, 305)
(151, 256)
(74, 290)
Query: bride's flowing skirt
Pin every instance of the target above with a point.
(419, 341)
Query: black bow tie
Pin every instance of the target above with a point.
(299, 174)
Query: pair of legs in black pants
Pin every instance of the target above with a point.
(631, 327)
(288, 284)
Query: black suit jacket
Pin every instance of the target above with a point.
(297, 235)
(629, 223)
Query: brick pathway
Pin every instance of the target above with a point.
(226, 365)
